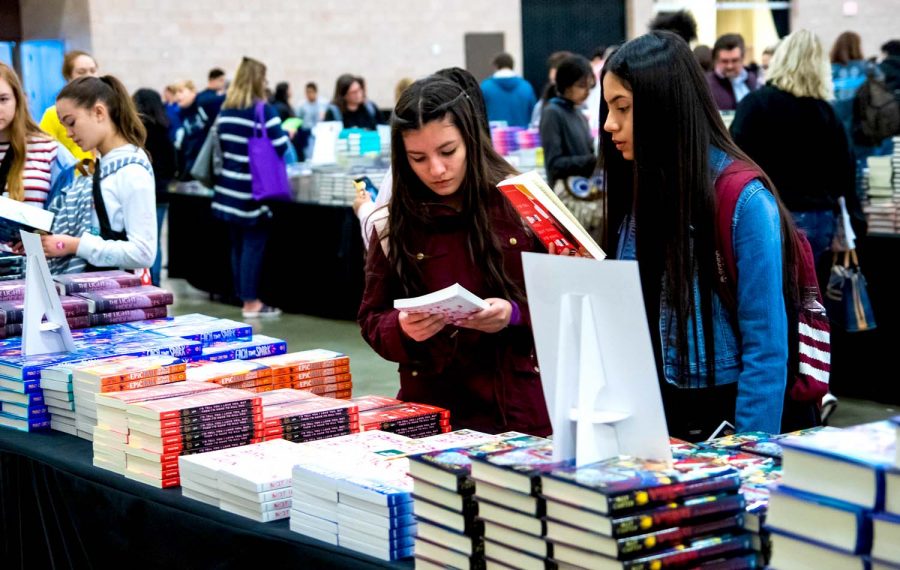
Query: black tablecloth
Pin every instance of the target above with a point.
(59, 511)
(313, 263)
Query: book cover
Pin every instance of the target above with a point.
(12, 290)
(127, 369)
(228, 372)
(220, 330)
(257, 347)
(366, 403)
(119, 400)
(395, 415)
(18, 216)
(96, 281)
(72, 307)
(452, 468)
(551, 221)
(306, 360)
(454, 302)
(156, 324)
(194, 404)
(622, 483)
(128, 315)
(518, 469)
(864, 452)
(143, 297)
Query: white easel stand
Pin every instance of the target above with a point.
(42, 299)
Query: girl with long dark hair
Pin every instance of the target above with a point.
(663, 146)
(449, 224)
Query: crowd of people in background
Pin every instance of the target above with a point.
(103, 161)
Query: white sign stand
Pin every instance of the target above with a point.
(42, 300)
(596, 358)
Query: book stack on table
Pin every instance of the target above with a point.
(258, 346)
(165, 422)
(300, 416)
(253, 481)
(12, 314)
(247, 375)
(405, 418)
(449, 530)
(115, 296)
(838, 504)
(319, 371)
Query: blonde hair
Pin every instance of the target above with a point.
(185, 84)
(20, 130)
(799, 66)
(248, 86)
(68, 67)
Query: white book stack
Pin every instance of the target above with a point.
(252, 481)
(375, 515)
(60, 401)
(881, 210)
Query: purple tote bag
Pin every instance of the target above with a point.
(268, 173)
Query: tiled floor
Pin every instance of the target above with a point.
(374, 375)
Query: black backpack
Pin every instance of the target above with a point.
(876, 112)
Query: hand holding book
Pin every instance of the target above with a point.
(493, 319)
(421, 326)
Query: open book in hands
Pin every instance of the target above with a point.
(454, 302)
(548, 217)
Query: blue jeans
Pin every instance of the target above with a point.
(818, 225)
(247, 247)
(156, 270)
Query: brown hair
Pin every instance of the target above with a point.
(21, 129)
(69, 62)
(87, 91)
(847, 47)
(249, 85)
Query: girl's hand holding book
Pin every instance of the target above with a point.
(493, 319)
(421, 326)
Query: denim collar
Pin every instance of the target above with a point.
(718, 160)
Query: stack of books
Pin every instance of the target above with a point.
(165, 322)
(834, 489)
(12, 314)
(625, 512)
(252, 481)
(114, 306)
(159, 431)
(881, 210)
(12, 289)
(505, 139)
(406, 418)
(258, 346)
(111, 435)
(300, 416)
(322, 372)
(118, 374)
(886, 525)
(449, 532)
(247, 375)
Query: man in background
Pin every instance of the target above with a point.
(507, 96)
(729, 80)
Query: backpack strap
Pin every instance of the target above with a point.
(729, 185)
(106, 231)
(5, 165)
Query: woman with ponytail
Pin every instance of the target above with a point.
(108, 219)
(76, 64)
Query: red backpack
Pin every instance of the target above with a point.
(809, 345)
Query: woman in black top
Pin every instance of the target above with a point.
(281, 100)
(565, 134)
(791, 130)
(350, 105)
(162, 155)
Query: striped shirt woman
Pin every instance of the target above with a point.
(233, 201)
(42, 166)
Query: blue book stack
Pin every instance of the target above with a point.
(249, 349)
(209, 332)
(23, 411)
(376, 517)
(831, 497)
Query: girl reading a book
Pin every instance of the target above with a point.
(449, 224)
(107, 219)
(663, 146)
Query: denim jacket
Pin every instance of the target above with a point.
(751, 346)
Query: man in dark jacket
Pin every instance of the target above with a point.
(890, 66)
(729, 80)
(507, 96)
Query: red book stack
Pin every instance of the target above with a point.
(300, 416)
(238, 374)
(408, 418)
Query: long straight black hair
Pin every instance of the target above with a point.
(433, 99)
(669, 186)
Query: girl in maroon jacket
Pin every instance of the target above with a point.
(449, 224)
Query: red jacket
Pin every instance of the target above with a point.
(489, 382)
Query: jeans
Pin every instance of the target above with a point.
(818, 225)
(247, 247)
(156, 270)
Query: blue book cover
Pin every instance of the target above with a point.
(154, 324)
(861, 543)
(24, 412)
(15, 365)
(220, 330)
(257, 347)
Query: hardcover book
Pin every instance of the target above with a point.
(96, 281)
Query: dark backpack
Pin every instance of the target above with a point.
(809, 345)
(876, 113)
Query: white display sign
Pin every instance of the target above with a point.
(42, 300)
(596, 358)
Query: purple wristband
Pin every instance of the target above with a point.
(515, 317)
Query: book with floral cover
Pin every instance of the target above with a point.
(454, 302)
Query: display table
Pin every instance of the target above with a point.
(59, 511)
(313, 263)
